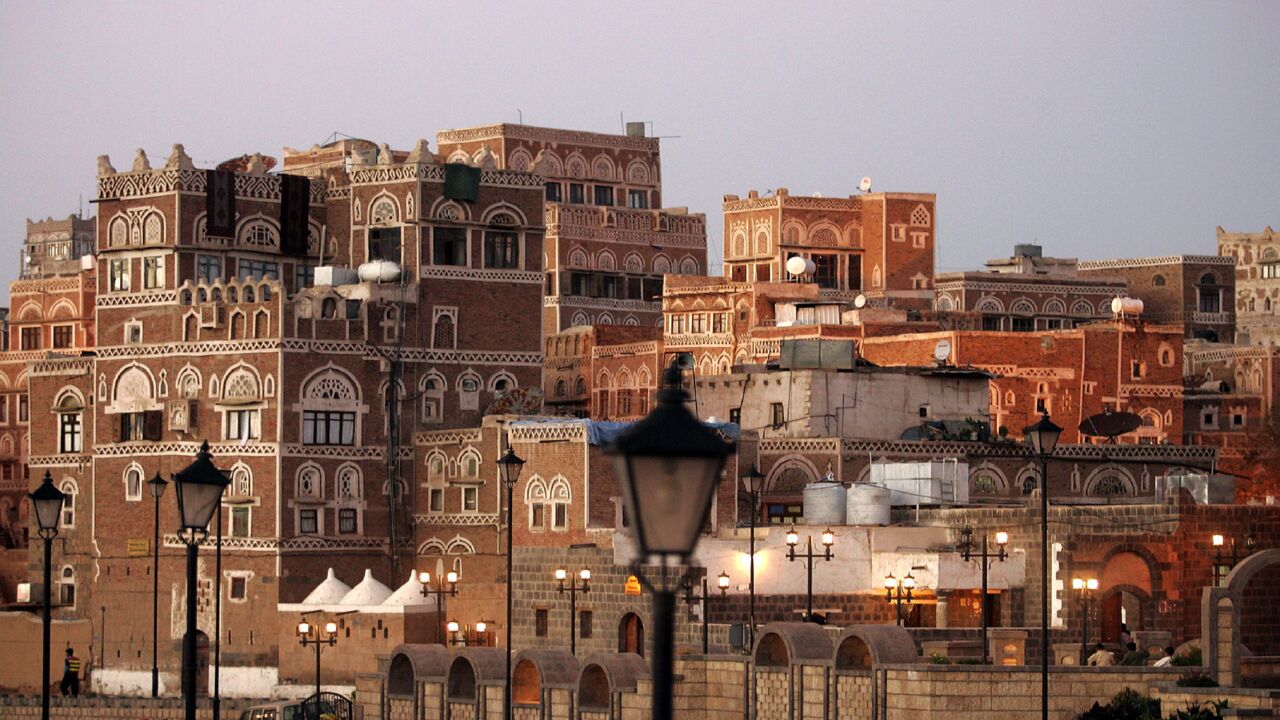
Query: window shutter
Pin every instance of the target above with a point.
(122, 427)
(151, 428)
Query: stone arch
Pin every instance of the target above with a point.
(472, 669)
(989, 304)
(688, 265)
(790, 474)
(1110, 480)
(133, 389)
(783, 644)
(1233, 617)
(445, 209)
(605, 260)
(638, 173)
(536, 671)
(604, 676)
(258, 231)
(987, 479)
(415, 663)
(578, 257)
(1081, 307)
(944, 303)
(1054, 306)
(1023, 306)
(862, 647)
(633, 263)
(519, 160)
(661, 264)
(502, 213)
(602, 168)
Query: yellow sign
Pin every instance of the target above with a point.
(139, 548)
(633, 585)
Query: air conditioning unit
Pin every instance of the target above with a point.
(210, 315)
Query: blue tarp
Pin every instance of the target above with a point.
(602, 432)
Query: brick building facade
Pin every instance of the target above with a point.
(1257, 284)
(1193, 292)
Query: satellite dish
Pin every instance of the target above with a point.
(796, 265)
(860, 301)
(942, 351)
(810, 266)
(1110, 424)
(865, 185)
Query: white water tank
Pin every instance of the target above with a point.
(824, 503)
(379, 271)
(867, 504)
(1126, 306)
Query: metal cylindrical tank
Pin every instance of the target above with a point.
(824, 503)
(867, 504)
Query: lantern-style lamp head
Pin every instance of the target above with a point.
(722, 581)
(451, 577)
(157, 485)
(561, 574)
(793, 537)
(331, 628)
(199, 487)
(753, 480)
(828, 537)
(585, 574)
(452, 626)
(890, 582)
(304, 628)
(47, 501)
(668, 465)
(1218, 540)
(909, 582)
(1091, 584)
(1002, 538)
(509, 467)
(1077, 584)
(481, 626)
(1043, 436)
(424, 577)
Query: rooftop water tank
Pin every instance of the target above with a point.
(824, 503)
(379, 271)
(867, 504)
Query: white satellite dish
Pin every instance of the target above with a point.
(860, 301)
(796, 265)
(810, 266)
(942, 351)
(865, 185)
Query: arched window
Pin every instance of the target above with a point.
(310, 482)
(70, 409)
(70, 489)
(331, 408)
(580, 386)
(67, 586)
(443, 335)
(1158, 280)
(562, 388)
(329, 308)
(133, 483)
(433, 387)
(348, 483)
(241, 482)
(241, 386)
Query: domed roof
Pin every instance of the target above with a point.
(368, 592)
(410, 593)
(331, 591)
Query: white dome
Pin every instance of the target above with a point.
(409, 593)
(368, 592)
(331, 591)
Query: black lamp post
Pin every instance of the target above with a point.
(309, 634)
(668, 465)
(199, 488)
(156, 486)
(969, 550)
(1220, 567)
(450, 579)
(722, 582)
(509, 467)
(573, 588)
(47, 501)
(793, 539)
(753, 483)
(1043, 438)
(899, 593)
(1086, 587)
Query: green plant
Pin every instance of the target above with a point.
(1196, 679)
(1126, 705)
(938, 658)
(1197, 711)
(1193, 658)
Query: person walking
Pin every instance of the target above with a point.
(70, 684)
(1102, 657)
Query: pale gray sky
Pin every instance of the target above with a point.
(1100, 129)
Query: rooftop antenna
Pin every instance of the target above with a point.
(520, 114)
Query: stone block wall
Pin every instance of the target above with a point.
(19, 707)
(852, 696)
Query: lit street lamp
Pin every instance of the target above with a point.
(1043, 438)
(722, 582)
(573, 588)
(969, 551)
(793, 539)
(450, 579)
(1086, 587)
(309, 634)
(753, 483)
(899, 593)
(509, 467)
(47, 501)
(668, 466)
(1220, 567)
(199, 488)
(156, 486)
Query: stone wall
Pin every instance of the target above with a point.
(15, 707)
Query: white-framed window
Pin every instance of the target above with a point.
(348, 522)
(67, 586)
(70, 423)
(310, 482)
(436, 499)
(241, 424)
(69, 489)
(118, 275)
(133, 333)
(309, 521)
(470, 499)
(133, 484)
(153, 272)
(899, 233)
(238, 586)
(240, 524)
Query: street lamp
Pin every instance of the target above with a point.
(1043, 438)
(1086, 587)
(199, 488)
(1220, 567)
(722, 582)
(450, 579)
(573, 588)
(309, 634)
(509, 467)
(156, 486)
(969, 551)
(793, 539)
(753, 483)
(668, 466)
(899, 592)
(47, 501)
